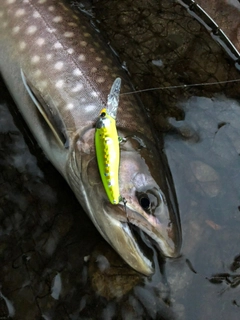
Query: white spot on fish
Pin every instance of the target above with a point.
(75, 17)
(51, 30)
(95, 94)
(36, 14)
(96, 44)
(82, 57)
(70, 51)
(98, 59)
(1, 14)
(59, 84)
(86, 34)
(57, 19)
(37, 73)
(49, 56)
(58, 65)
(31, 30)
(43, 84)
(68, 34)
(40, 41)
(100, 80)
(35, 59)
(22, 45)
(57, 45)
(51, 8)
(77, 72)
(77, 88)
(70, 106)
(5, 24)
(64, 7)
(83, 43)
(16, 29)
(93, 70)
(20, 12)
(105, 68)
(90, 108)
(72, 24)
(25, 1)
(42, 1)
(10, 1)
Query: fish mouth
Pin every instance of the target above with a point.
(141, 237)
(142, 243)
(126, 239)
(160, 234)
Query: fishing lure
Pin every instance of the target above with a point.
(107, 144)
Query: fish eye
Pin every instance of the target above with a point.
(144, 202)
(149, 200)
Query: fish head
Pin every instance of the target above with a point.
(146, 186)
(146, 207)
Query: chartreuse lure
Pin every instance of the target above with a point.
(107, 144)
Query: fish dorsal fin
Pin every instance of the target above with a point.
(113, 98)
(54, 122)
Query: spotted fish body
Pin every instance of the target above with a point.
(70, 71)
(65, 57)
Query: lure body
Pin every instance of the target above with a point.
(107, 144)
(107, 151)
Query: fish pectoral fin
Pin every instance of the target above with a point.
(53, 121)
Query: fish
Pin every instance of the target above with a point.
(60, 70)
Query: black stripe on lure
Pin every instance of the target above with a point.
(107, 144)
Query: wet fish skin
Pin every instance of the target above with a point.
(70, 71)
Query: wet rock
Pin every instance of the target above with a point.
(4, 313)
(207, 178)
(203, 172)
(110, 276)
(26, 307)
(184, 130)
(132, 309)
(56, 286)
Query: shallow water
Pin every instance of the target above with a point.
(55, 265)
(206, 175)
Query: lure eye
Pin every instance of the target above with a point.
(103, 114)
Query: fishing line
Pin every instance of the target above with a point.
(122, 199)
(182, 86)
